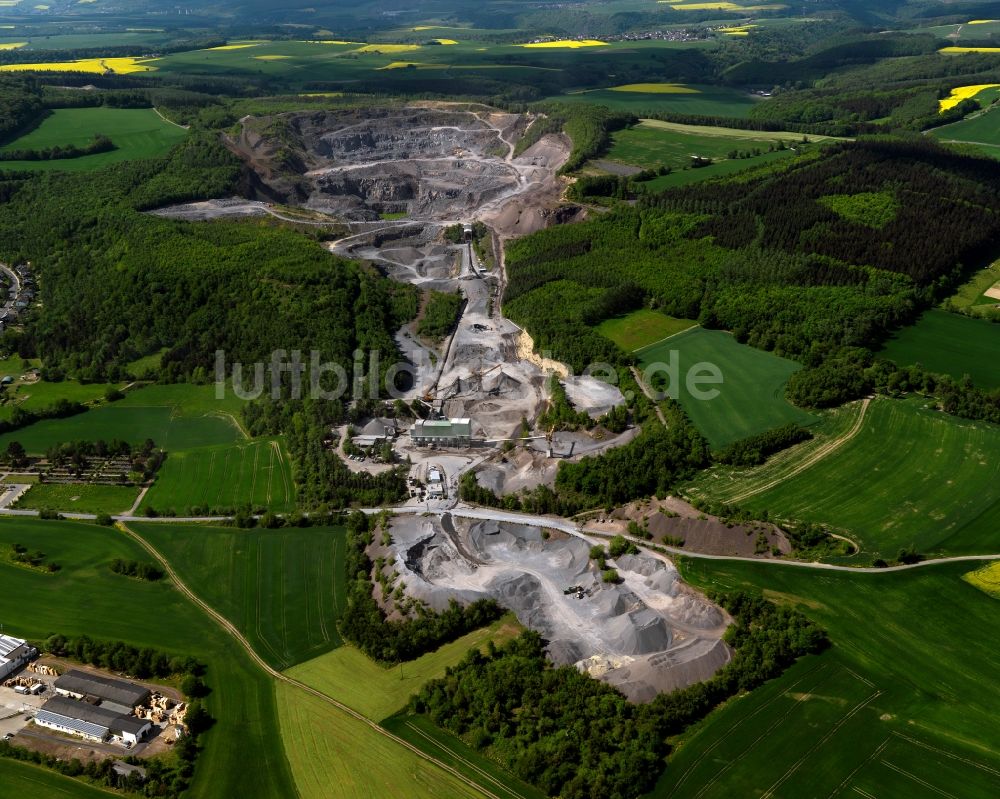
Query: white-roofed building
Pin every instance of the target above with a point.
(14, 653)
(446, 432)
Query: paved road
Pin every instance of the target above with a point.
(552, 522)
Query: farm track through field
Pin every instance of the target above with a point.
(231, 629)
(826, 449)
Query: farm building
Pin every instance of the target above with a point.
(91, 722)
(118, 695)
(14, 653)
(448, 432)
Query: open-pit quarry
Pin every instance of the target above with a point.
(647, 634)
(390, 181)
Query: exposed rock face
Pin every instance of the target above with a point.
(429, 163)
(648, 634)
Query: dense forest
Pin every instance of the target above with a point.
(118, 284)
(788, 258)
(576, 738)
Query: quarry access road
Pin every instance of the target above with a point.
(551, 522)
(231, 629)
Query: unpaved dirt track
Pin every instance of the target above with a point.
(229, 628)
(829, 447)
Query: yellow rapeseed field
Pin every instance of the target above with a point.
(981, 21)
(986, 579)
(387, 48)
(240, 46)
(963, 93)
(98, 66)
(570, 44)
(446, 41)
(271, 57)
(12, 45)
(969, 50)
(681, 5)
(414, 64)
(656, 88)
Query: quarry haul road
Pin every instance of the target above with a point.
(229, 628)
(553, 523)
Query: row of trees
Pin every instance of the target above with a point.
(138, 569)
(574, 737)
(754, 450)
(100, 144)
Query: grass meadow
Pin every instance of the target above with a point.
(42, 394)
(642, 328)
(894, 708)
(24, 779)
(136, 132)
(176, 417)
(971, 297)
(911, 478)
(283, 589)
(950, 344)
(378, 692)
(751, 397)
(80, 498)
(256, 473)
(86, 597)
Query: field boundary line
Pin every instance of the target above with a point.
(860, 766)
(946, 753)
(228, 627)
(170, 121)
(821, 452)
(461, 759)
(719, 741)
(812, 750)
(752, 745)
(672, 335)
(918, 780)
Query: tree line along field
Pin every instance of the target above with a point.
(283, 589)
(41, 394)
(951, 344)
(751, 396)
(929, 484)
(256, 473)
(154, 615)
(136, 133)
(896, 707)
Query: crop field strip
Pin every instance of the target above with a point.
(936, 495)
(282, 589)
(851, 723)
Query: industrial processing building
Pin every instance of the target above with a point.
(442, 432)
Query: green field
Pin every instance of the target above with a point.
(911, 477)
(23, 779)
(87, 597)
(981, 128)
(256, 473)
(332, 754)
(136, 132)
(378, 692)
(708, 101)
(41, 394)
(283, 589)
(895, 708)
(176, 417)
(642, 328)
(652, 144)
(423, 733)
(750, 399)
(79, 498)
(950, 344)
